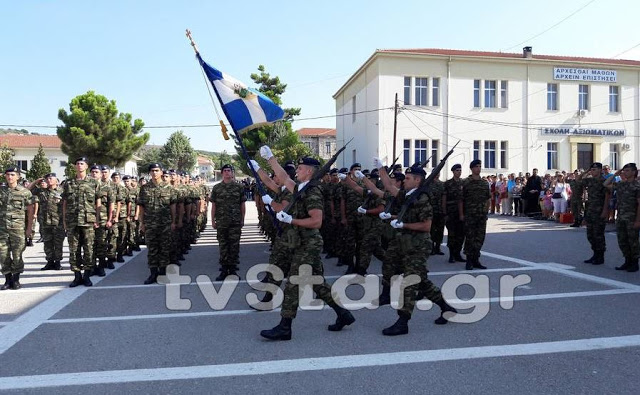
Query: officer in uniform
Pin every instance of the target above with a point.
(576, 199)
(157, 213)
(628, 218)
(305, 220)
(475, 206)
(596, 212)
(436, 190)
(50, 212)
(80, 202)
(227, 217)
(16, 216)
(452, 207)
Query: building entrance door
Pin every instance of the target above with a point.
(585, 155)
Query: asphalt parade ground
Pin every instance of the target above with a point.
(546, 324)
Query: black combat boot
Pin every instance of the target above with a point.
(99, 270)
(128, 252)
(633, 265)
(385, 296)
(16, 282)
(344, 318)
(233, 271)
(57, 265)
(86, 278)
(280, 332)
(599, 258)
(224, 272)
(446, 311)
(452, 259)
(400, 327)
(478, 265)
(119, 258)
(77, 280)
(136, 248)
(469, 265)
(49, 266)
(592, 259)
(110, 263)
(459, 258)
(153, 277)
(8, 282)
(436, 249)
(625, 265)
(181, 257)
(340, 261)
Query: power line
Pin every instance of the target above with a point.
(626, 50)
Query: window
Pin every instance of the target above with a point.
(308, 144)
(552, 155)
(490, 94)
(22, 164)
(435, 92)
(63, 163)
(489, 155)
(407, 90)
(476, 149)
(583, 98)
(503, 155)
(614, 157)
(422, 87)
(435, 144)
(614, 99)
(407, 153)
(327, 147)
(353, 109)
(476, 93)
(420, 151)
(552, 97)
(503, 94)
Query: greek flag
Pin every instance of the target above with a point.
(244, 107)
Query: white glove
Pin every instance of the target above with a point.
(377, 163)
(384, 215)
(341, 176)
(359, 175)
(266, 199)
(265, 152)
(254, 164)
(284, 217)
(396, 224)
(362, 210)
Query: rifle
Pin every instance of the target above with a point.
(424, 186)
(390, 202)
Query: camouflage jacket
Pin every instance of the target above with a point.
(475, 194)
(14, 203)
(436, 190)
(81, 196)
(156, 201)
(596, 192)
(453, 192)
(50, 201)
(228, 198)
(628, 194)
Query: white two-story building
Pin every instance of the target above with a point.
(515, 112)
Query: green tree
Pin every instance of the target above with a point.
(147, 157)
(178, 154)
(70, 170)
(94, 128)
(39, 165)
(6, 157)
(285, 143)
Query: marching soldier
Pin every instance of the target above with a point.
(596, 212)
(352, 237)
(305, 221)
(227, 216)
(451, 206)
(437, 225)
(473, 209)
(16, 204)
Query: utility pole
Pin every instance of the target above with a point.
(395, 126)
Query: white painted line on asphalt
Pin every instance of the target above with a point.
(443, 273)
(314, 364)
(422, 305)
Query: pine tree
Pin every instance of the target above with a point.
(178, 154)
(39, 165)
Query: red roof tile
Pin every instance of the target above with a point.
(30, 141)
(314, 132)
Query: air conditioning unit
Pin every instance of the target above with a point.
(626, 147)
(582, 113)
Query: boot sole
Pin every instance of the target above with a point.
(283, 337)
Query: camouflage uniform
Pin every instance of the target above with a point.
(132, 225)
(628, 194)
(595, 223)
(576, 200)
(156, 201)
(352, 235)
(120, 227)
(14, 203)
(81, 196)
(281, 252)
(52, 227)
(436, 190)
(338, 247)
(475, 193)
(455, 227)
(228, 199)
(102, 233)
(370, 228)
(392, 264)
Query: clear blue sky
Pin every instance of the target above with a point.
(136, 53)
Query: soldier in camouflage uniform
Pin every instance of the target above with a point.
(80, 202)
(132, 206)
(437, 224)
(351, 237)
(330, 214)
(576, 199)
(50, 211)
(628, 218)
(305, 241)
(120, 216)
(105, 218)
(16, 205)
(414, 244)
(227, 216)
(112, 230)
(475, 206)
(452, 206)
(177, 236)
(337, 215)
(596, 212)
(157, 213)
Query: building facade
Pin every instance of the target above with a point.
(515, 112)
(321, 141)
(205, 168)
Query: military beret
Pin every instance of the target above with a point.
(374, 174)
(50, 175)
(365, 172)
(12, 169)
(81, 159)
(353, 166)
(333, 171)
(105, 167)
(397, 166)
(455, 167)
(630, 166)
(115, 174)
(397, 176)
(164, 172)
(94, 167)
(596, 165)
(416, 170)
(155, 166)
(227, 166)
(308, 161)
(343, 170)
(289, 163)
(475, 163)
(125, 178)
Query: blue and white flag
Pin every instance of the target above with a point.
(244, 107)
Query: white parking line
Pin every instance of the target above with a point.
(314, 364)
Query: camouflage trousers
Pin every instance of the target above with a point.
(351, 240)
(331, 235)
(437, 228)
(281, 258)
(12, 245)
(157, 237)
(370, 243)
(455, 234)
(628, 238)
(475, 229)
(101, 239)
(392, 264)
(81, 238)
(121, 239)
(112, 240)
(132, 232)
(53, 239)
(595, 231)
(308, 253)
(576, 208)
(229, 244)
